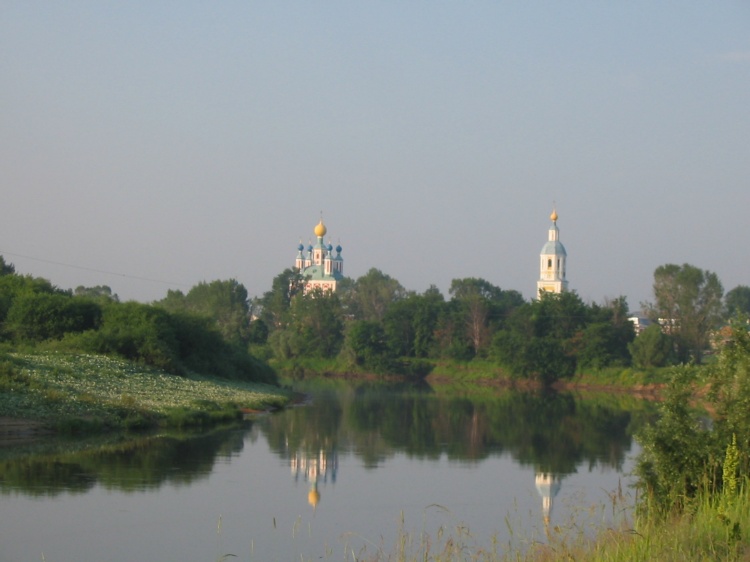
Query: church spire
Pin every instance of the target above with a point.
(552, 264)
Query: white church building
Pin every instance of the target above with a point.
(552, 262)
(319, 268)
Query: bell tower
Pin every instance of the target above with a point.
(552, 266)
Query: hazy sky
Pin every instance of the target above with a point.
(154, 145)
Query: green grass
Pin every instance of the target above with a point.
(76, 392)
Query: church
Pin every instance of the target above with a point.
(552, 262)
(319, 268)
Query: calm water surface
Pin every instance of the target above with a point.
(342, 474)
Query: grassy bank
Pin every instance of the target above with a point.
(78, 392)
(485, 371)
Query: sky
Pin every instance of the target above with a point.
(154, 145)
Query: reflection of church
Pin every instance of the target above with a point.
(548, 485)
(314, 467)
(319, 268)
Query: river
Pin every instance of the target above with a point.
(359, 468)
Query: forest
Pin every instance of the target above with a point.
(373, 324)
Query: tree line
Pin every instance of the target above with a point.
(204, 331)
(373, 323)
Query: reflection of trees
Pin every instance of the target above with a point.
(553, 432)
(133, 464)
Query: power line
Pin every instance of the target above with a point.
(125, 275)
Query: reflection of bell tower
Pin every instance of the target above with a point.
(548, 485)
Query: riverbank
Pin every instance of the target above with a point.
(72, 393)
(647, 383)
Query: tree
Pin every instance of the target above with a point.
(371, 295)
(689, 305)
(681, 454)
(652, 348)
(275, 304)
(97, 293)
(6, 268)
(42, 316)
(315, 328)
(410, 323)
(539, 339)
(737, 301)
(224, 302)
(366, 345)
(483, 307)
(604, 340)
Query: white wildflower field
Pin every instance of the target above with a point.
(64, 384)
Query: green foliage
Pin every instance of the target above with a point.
(683, 456)
(676, 460)
(13, 285)
(371, 295)
(730, 393)
(366, 346)
(99, 293)
(275, 304)
(537, 342)
(35, 317)
(737, 301)
(481, 310)
(652, 348)
(224, 302)
(411, 323)
(315, 327)
(257, 332)
(689, 301)
(6, 268)
(138, 332)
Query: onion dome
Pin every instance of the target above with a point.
(301, 246)
(329, 247)
(553, 216)
(320, 229)
(338, 249)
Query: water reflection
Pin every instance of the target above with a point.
(550, 433)
(126, 463)
(548, 485)
(312, 467)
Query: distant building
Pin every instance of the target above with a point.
(319, 268)
(640, 323)
(552, 262)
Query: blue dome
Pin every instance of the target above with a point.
(309, 248)
(330, 247)
(554, 247)
(338, 248)
(301, 247)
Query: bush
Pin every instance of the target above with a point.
(37, 317)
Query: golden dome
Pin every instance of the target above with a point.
(553, 216)
(320, 229)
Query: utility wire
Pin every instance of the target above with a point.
(2, 252)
